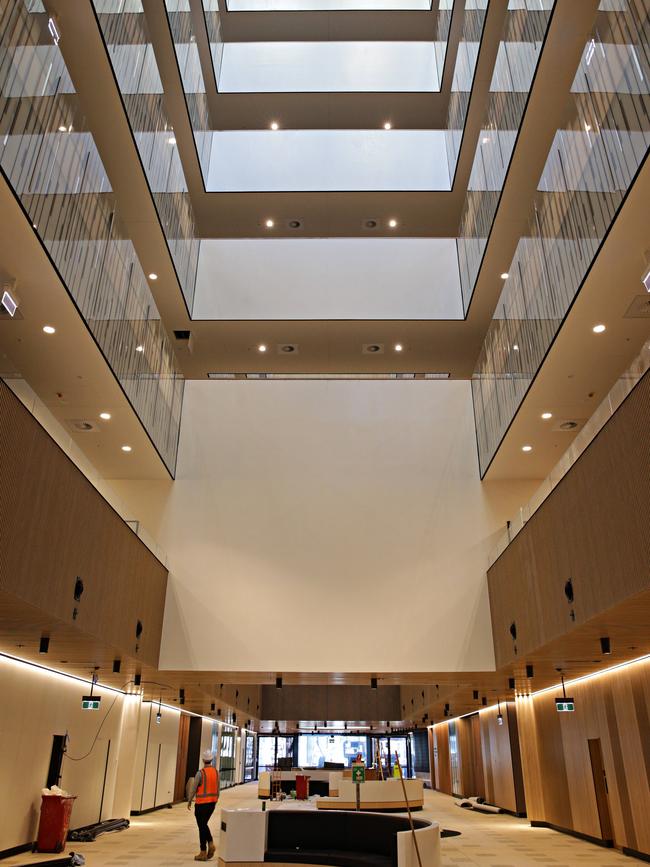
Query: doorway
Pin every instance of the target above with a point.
(600, 787)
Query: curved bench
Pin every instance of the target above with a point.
(332, 838)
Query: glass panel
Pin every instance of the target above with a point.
(266, 753)
(519, 50)
(134, 63)
(304, 160)
(249, 758)
(591, 165)
(227, 758)
(53, 166)
(315, 750)
(461, 86)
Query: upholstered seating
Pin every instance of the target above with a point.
(344, 839)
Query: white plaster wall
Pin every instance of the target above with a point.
(328, 278)
(35, 706)
(298, 504)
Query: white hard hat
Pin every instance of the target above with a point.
(207, 756)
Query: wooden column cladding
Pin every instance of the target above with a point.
(56, 528)
(589, 771)
(592, 530)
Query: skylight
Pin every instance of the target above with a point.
(328, 67)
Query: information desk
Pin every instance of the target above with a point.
(376, 795)
(320, 782)
(306, 836)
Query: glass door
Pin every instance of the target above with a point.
(249, 758)
(227, 758)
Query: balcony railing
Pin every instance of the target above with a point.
(51, 162)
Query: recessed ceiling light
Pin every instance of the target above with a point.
(49, 329)
(153, 276)
(388, 125)
(63, 128)
(398, 347)
(392, 223)
(171, 141)
(261, 347)
(587, 127)
(598, 329)
(526, 448)
(547, 415)
(105, 415)
(126, 448)
(505, 275)
(139, 348)
(515, 346)
(269, 224)
(275, 125)
(485, 139)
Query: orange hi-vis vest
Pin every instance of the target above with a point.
(208, 789)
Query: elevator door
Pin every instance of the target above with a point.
(600, 786)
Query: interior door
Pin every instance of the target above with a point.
(600, 786)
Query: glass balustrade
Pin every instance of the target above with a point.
(50, 160)
(518, 53)
(134, 64)
(591, 165)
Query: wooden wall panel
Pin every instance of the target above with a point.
(55, 526)
(592, 528)
(613, 708)
(489, 758)
(441, 758)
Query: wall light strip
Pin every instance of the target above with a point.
(54, 672)
(591, 676)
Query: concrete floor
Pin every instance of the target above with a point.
(167, 838)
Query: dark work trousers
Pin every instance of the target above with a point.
(203, 812)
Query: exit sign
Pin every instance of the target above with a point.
(358, 774)
(90, 702)
(565, 705)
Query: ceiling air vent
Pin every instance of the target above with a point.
(372, 349)
(639, 308)
(287, 349)
(569, 425)
(81, 425)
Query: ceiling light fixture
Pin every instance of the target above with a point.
(63, 128)
(139, 348)
(153, 276)
(275, 125)
(261, 347)
(105, 415)
(49, 329)
(388, 125)
(505, 275)
(526, 448)
(269, 224)
(485, 139)
(126, 448)
(547, 415)
(598, 329)
(515, 346)
(398, 347)
(392, 223)
(171, 141)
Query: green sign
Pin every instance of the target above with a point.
(564, 705)
(90, 702)
(358, 774)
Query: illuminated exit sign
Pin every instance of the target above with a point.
(565, 705)
(90, 702)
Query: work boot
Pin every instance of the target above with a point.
(202, 856)
(211, 849)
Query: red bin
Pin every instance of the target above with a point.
(54, 823)
(302, 787)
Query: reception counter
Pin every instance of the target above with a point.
(320, 782)
(375, 795)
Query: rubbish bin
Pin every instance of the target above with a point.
(302, 787)
(54, 823)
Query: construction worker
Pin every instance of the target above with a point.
(204, 790)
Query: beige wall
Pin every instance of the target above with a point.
(155, 763)
(37, 705)
(296, 502)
